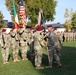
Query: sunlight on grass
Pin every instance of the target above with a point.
(26, 67)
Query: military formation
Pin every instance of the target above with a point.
(69, 36)
(35, 39)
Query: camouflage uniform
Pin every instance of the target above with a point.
(5, 44)
(51, 45)
(14, 44)
(65, 35)
(59, 44)
(23, 43)
(38, 49)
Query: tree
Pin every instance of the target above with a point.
(32, 8)
(1, 20)
(68, 25)
(73, 19)
(68, 15)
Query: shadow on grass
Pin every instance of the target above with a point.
(68, 59)
(68, 56)
(31, 58)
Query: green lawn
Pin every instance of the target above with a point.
(68, 59)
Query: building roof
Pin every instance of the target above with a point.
(56, 25)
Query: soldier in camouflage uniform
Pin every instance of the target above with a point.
(65, 36)
(23, 43)
(58, 42)
(38, 48)
(51, 46)
(5, 45)
(14, 44)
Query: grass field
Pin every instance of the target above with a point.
(68, 59)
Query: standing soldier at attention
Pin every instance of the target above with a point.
(5, 44)
(23, 43)
(14, 44)
(51, 47)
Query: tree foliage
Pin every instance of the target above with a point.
(32, 8)
(73, 19)
(68, 25)
(1, 20)
(68, 15)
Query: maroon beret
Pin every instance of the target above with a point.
(49, 26)
(39, 28)
(3, 30)
(55, 28)
(31, 28)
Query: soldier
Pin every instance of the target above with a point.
(51, 46)
(5, 44)
(23, 43)
(14, 44)
(65, 36)
(38, 48)
(59, 42)
(31, 42)
(74, 35)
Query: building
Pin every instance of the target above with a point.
(5, 22)
(60, 27)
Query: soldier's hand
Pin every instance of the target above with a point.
(4, 46)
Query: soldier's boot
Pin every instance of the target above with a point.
(17, 60)
(14, 60)
(48, 66)
(4, 62)
(59, 65)
(7, 62)
(39, 67)
(25, 58)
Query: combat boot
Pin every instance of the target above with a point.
(59, 65)
(25, 59)
(48, 67)
(17, 60)
(14, 60)
(39, 67)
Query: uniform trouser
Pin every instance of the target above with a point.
(15, 50)
(5, 54)
(24, 51)
(32, 48)
(58, 50)
(38, 58)
(52, 53)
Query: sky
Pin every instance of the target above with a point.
(60, 10)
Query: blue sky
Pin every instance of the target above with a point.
(60, 10)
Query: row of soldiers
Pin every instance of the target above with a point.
(34, 38)
(69, 36)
